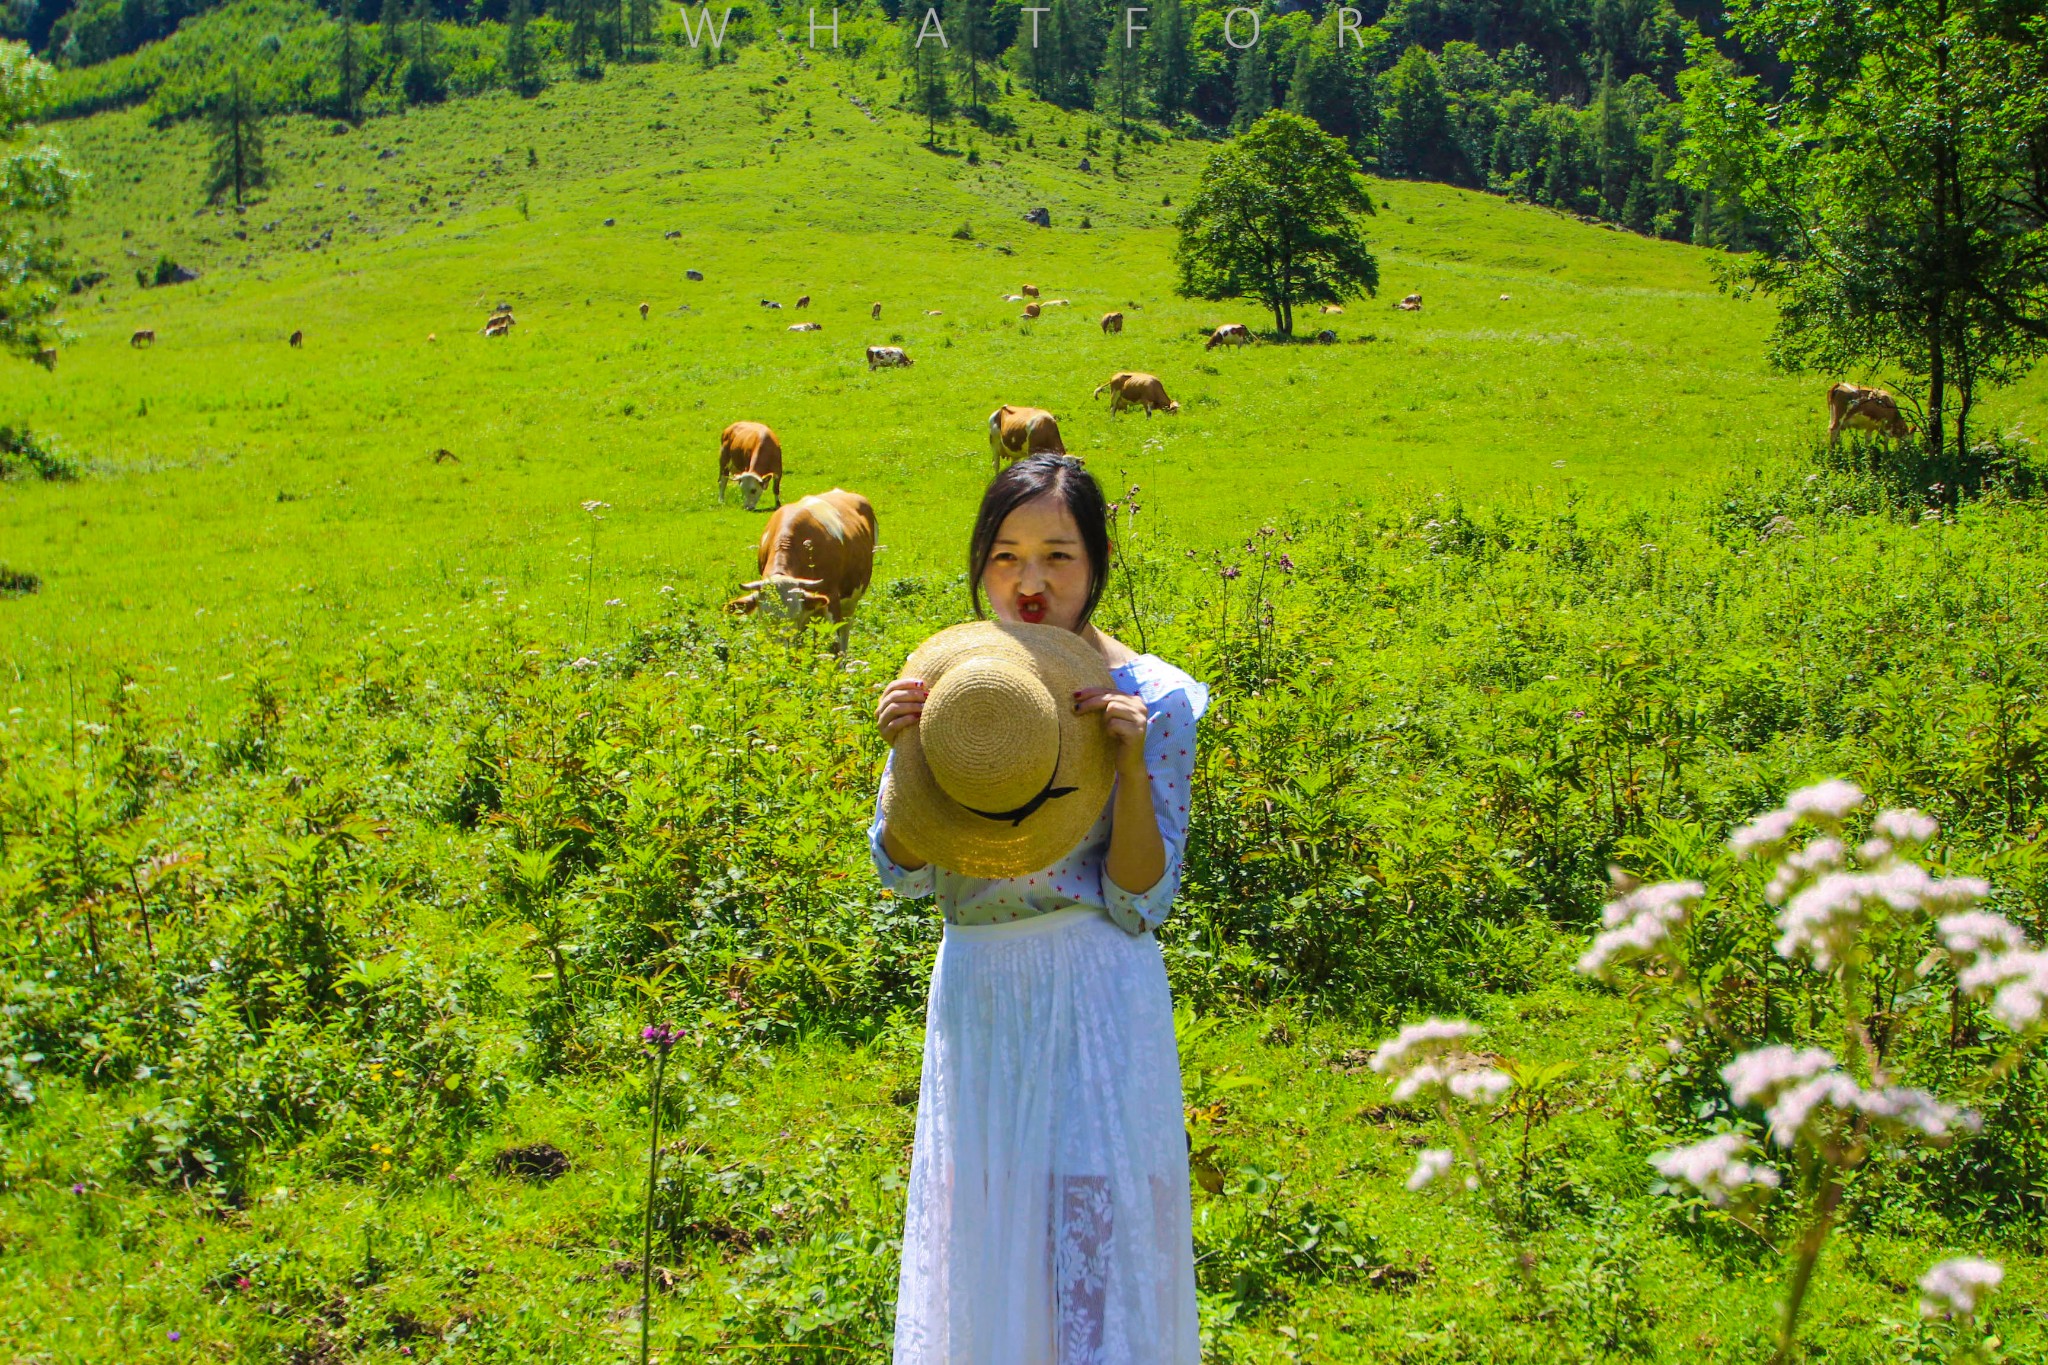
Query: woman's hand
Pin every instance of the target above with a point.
(1124, 717)
(901, 704)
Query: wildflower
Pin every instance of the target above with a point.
(1822, 855)
(1230, 572)
(1716, 1168)
(1907, 826)
(665, 588)
(615, 601)
(1286, 564)
(661, 1036)
(594, 507)
(1977, 933)
(1823, 920)
(1762, 834)
(78, 1188)
(1958, 1286)
(241, 1281)
(1433, 1162)
(1421, 1042)
(1758, 1077)
(584, 661)
(1640, 924)
(2020, 980)
(1825, 803)
(175, 1335)
(1482, 1086)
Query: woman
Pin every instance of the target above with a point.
(1048, 1215)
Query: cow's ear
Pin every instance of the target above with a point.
(740, 606)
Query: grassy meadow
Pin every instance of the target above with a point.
(1547, 576)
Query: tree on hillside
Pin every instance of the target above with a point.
(236, 122)
(1324, 88)
(929, 94)
(971, 36)
(1415, 129)
(640, 22)
(1122, 74)
(1254, 86)
(425, 82)
(1173, 60)
(582, 17)
(1905, 175)
(1276, 218)
(522, 68)
(36, 185)
(391, 39)
(348, 66)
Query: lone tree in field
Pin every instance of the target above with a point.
(929, 95)
(1904, 179)
(1277, 219)
(237, 122)
(35, 185)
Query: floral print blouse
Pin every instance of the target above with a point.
(1173, 703)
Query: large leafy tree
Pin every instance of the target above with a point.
(1902, 178)
(35, 185)
(1277, 218)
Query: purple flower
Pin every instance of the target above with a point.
(1230, 571)
(661, 1036)
(174, 1336)
(241, 1281)
(78, 1188)
(1286, 564)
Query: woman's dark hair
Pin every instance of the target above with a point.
(1064, 478)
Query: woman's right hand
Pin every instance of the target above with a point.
(901, 704)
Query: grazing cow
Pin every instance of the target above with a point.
(1229, 334)
(806, 326)
(1112, 322)
(643, 311)
(1861, 409)
(47, 358)
(1016, 432)
(432, 338)
(1136, 389)
(1054, 303)
(446, 456)
(1333, 308)
(297, 339)
(1503, 298)
(804, 301)
(817, 556)
(144, 336)
(1030, 310)
(749, 455)
(1411, 304)
(496, 327)
(875, 310)
(1326, 337)
(1013, 298)
(1030, 291)
(693, 274)
(883, 356)
(933, 312)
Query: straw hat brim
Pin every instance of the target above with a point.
(939, 829)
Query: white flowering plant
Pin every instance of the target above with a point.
(1870, 926)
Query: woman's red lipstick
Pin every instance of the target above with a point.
(1031, 608)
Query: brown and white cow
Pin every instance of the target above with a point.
(1861, 409)
(1112, 322)
(1136, 389)
(46, 356)
(1015, 432)
(144, 336)
(1229, 334)
(1030, 291)
(806, 326)
(750, 456)
(875, 310)
(816, 558)
(1411, 304)
(1333, 308)
(1030, 310)
(1054, 303)
(643, 310)
(882, 357)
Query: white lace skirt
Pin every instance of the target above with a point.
(1048, 1219)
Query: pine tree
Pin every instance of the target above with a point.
(1254, 87)
(1120, 77)
(236, 122)
(640, 22)
(423, 79)
(583, 19)
(391, 39)
(929, 94)
(1173, 62)
(1323, 88)
(348, 66)
(970, 33)
(521, 70)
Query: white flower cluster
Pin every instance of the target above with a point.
(1716, 1168)
(1823, 921)
(1432, 1163)
(2018, 981)
(1958, 1287)
(1798, 1088)
(1640, 924)
(1825, 804)
(1430, 1058)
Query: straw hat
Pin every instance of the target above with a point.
(1000, 777)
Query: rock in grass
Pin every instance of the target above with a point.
(535, 1161)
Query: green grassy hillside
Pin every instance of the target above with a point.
(304, 502)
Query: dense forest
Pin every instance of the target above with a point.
(1569, 103)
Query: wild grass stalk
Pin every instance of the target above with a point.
(660, 1039)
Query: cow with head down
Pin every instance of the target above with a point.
(750, 456)
(1856, 408)
(1136, 389)
(817, 556)
(1015, 432)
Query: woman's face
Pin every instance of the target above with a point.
(1038, 567)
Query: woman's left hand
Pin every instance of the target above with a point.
(1124, 716)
